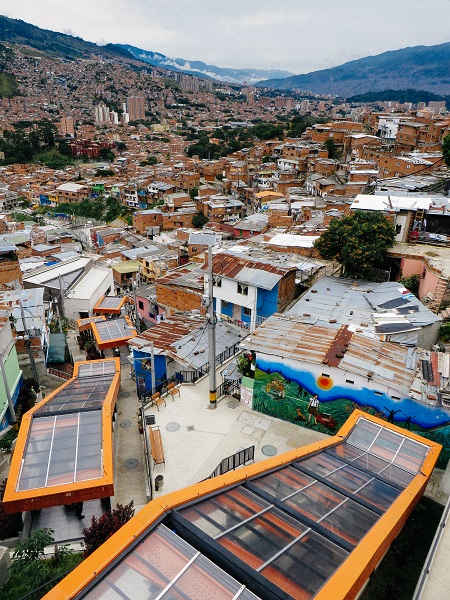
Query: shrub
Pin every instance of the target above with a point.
(103, 528)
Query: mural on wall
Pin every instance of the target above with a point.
(285, 393)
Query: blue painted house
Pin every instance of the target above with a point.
(247, 291)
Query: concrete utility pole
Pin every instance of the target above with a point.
(152, 366)
(135, 285)
(27, 338)
(211, 335)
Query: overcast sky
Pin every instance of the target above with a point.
(295, 35)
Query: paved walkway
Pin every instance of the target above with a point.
(129, 477)
(196, 439)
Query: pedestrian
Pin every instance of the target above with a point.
(313, 408)
(424, 225)
(79, 510)
(391, 414)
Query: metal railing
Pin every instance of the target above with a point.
(61, 374)
(232, 462)
(228, 388)
(188, 376)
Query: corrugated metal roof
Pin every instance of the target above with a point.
(289, 337)
(258, 278)
(191, 278)
(239, 268)
(168, 332)
(363, 304)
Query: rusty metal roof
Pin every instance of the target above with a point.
(168, 332)
(191, 278)
(336, 346)
(261, 274)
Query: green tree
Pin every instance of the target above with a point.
(446, 150)
(199, 219)
(330, 145)
(358, 242)
(30, 569)
(411, 283)
(193, 193)
(106, 154)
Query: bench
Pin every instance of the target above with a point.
(156, 444)
(157, 399)
(173, 390)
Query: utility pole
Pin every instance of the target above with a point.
(28, 342)
(61, 293)
(211, 335)
(135, 284)
(152, 366)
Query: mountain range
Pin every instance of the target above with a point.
(418, 67)
(201, 69)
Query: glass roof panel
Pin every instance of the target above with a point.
(58, 450)
(378, 493)
(113, 329)
(110, 302)
(350, 521)
(315, 501)
(164, 566)
(386, 445)
(411, 455)
(322, 464)
(301, 570)
(349, 479)
(363, 434)
(84, 393)
(282, 483)
(96, 368)
(219, 514)
(261, 538)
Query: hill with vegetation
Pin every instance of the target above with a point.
(418, 67)
(413, 96)
(14, 31)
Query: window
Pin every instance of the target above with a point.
(225, 304)
(242, 289)
(217, 281)
(247, 311)
(140, 304)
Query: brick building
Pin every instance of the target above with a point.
(181, 290)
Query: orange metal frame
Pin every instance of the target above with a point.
(15, 501)
(84, 324)
(349, 578)
(109, 311)
(103, 345)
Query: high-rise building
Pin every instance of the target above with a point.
(66, 126)
(136, 107)
(101, 113)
